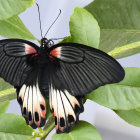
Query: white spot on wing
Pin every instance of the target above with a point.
(58, 99)
(22, 90)
(25, 99)
(30, 100)
(72, 98)
(68, 107)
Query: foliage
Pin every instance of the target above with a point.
(14, 127)
(10, 8)
(83, 131)
(81, 24)
(119, 22)
(14, 28)
(4, 106)
(116, 32)
(120, 96)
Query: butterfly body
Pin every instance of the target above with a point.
(64, 73)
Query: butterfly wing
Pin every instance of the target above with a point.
(76, 70)
(15, 62)
(31, 100)
(83, 69)
(65, 107)
(18, 67)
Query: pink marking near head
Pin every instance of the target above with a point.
(29, 49)
(56, 52)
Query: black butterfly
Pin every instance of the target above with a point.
(63, 72)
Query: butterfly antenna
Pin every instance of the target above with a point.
(53, 22)
(39, 20)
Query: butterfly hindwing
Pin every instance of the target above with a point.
(32, 102)
(64, 107)
(83, 69)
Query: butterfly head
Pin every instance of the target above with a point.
(45, 43)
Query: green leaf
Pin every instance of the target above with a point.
(6, 91)
(67, 39)
(9, 8)
(14, 127)
(83, 131)
(4, 106)
(8, 94)
(120, 96)
(4, 85)
(130, 116)
(14, 28)
(119, 22)
(84, 28)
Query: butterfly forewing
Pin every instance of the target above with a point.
(84, 69)
(67, 54)
(14, 65)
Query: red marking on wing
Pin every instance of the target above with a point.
(56, 52)
(43, 112)
(30, 50)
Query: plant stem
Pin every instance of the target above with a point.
(48, 128)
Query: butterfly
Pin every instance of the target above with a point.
(63, 72)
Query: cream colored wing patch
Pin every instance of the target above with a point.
(32, 105)
(65, 109)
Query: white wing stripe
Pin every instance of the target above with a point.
(34, 106)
